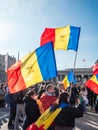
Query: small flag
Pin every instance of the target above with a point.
(68, 79)
(92, 83)
(65, 38)
(35, 67)
(95, 69)
(83, 60)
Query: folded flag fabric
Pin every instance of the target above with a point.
(68, 79)
(47, 118)
(35, 67)
(65, 38)
(92, 83)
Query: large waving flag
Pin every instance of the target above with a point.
(68, 79)
(65, 38)
(35, 67)
(92, 83)
(47, 118)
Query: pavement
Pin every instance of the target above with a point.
(88, 122)
(4, 112)
(4, 116)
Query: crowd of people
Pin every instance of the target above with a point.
(28, 105)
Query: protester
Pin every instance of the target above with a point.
(48, 98)
(6, 98)
(20, 109)
(96, 106)
(65, 120)
(41, 93)
(73, 92)
(84, 93)
(2, 94)
(61, 87)
(12, 111)
(31, 109)
(91, 98)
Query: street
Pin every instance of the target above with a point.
(88, 122)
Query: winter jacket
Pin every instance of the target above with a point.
(66, 118)
(32, 112)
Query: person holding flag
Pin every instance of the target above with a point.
(65, 120)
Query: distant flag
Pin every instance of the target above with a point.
(65, 38)
(83, 60)
(35, 67)
(92, 83)
(95, 69)
(68, 79)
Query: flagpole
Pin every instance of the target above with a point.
(6, 65)
(6, 62)
(18, 56)
(75, 61)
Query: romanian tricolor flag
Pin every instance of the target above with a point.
(95, 70)
(65, 38)
(70, 78)
(92, 83)
(46, 119)
(35, 67)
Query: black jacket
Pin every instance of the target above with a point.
(32, 112)
(67, 116)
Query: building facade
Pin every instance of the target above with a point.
(5, 62)
(81, 74)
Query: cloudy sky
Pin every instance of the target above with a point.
(23, 21)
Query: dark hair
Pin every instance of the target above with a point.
(63, 97)
(40, 93)
(30, 93)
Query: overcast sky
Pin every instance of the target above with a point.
(23, 21)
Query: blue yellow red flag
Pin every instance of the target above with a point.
(65, 38)
(95, 70)
(70, 78)
(33, 68)
(92, 83)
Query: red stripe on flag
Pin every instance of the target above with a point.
(15, 79)
(92, 85)
(47, 36)
(95, 69)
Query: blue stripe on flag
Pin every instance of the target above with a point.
(46, 61)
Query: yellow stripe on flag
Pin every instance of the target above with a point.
(65, 82)
(47, 118)
(62, 36)
(94, 79)
(30, 70)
